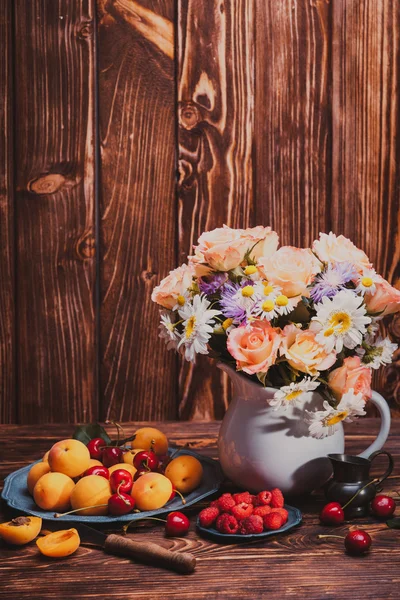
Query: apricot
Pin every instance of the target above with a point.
(130, 468)
(128, 456)
(46, 456)
(21, 530)
(35, 473)
(93, 462)
(91, 491)
(151, 491)
(53, 491)
(59, 543)
(70, 457)
(146, 435)
(185, 472)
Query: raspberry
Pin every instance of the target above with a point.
(208, 515)
(264, 498)
(273, 521)
(242, 510)
(225, 502)
(251, 524)
(262, 510)
(227, 523)
(281, 511)
(214, 503)
(243, 497)
(277, 500)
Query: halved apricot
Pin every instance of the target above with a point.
(21, 530)
(59, 543)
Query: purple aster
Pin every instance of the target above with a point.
(211, 283)
(233, 306)
(332, 280)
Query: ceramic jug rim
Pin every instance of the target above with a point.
(258, 386)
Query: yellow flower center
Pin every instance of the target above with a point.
(247, 291)
(268, 305)
(250, 270)
(180, 300)
(227, 323)
(268, 289)
(340, 322)
(367, 282)
(337, 418)
(282, 300)
(293, 395)
(329, 331)
(191, 324)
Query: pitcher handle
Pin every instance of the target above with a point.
(390, 466)
(382, 436)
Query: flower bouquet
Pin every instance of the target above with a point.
(295, 319)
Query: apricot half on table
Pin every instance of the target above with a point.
(151, 491)
(35, 473)
(70, 457)
(59, 543)
(89, 494)
(146, 435)
(53, 491)
(185, 472)
(21, 530)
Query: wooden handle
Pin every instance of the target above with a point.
(150, 553)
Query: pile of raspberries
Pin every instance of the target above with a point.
(245, 513)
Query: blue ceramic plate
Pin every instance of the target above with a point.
(16, 494)
(228, 538)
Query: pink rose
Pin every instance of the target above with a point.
(386, 298)
(254, 346)
(303, 352)
(223, 248)
(338, 249)
(351, 375)
(262, 241)
(293, 269)
(175, 284)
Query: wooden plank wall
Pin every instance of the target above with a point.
(131, 127)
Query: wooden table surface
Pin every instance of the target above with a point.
(292, 565)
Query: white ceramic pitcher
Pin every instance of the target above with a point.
(262, 448)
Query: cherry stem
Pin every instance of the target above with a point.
(56, 515)
(119, 495)
(321, 536)
(179, 494)
(356, 494)
(118, 426)
(125, 527)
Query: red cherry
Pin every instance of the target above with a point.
(332, 514)
(139, 473)
(111, 456)
(383, 506)
(98, 470)
(177, 524)
(163, 461)
(173, 494)
(120, 504)
(95, 447)
(121, 481)
(357, 542)
(146, 458)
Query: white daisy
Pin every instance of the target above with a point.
(378, 354)
(168, 330)
(366, 282)
(340, 321)
(252, 272)
(284, 305)
(266, 309)
(198, 322)
(266, 290)
(181, 300)
(289, 394)
(323, 423)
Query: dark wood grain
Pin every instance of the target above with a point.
(293, 565)
(7, 243)
(366, 150)
(54, 139)
(292, 118)
(138, 207)
(215, 115)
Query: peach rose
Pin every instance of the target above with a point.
(173, 285)
(386, 298)
(254, 346)
(264, 240)
(223, 248)
(198, 263)
(351, 375)
(303, 352)
(338, 249)
(293, 269)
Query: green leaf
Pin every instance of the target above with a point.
(262, 378)
(85, 433)
(394, 523)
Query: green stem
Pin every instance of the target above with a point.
(356, 494)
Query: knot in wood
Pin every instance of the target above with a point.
(86, 30)
(46, 184)
(189, 115)
(86, 246)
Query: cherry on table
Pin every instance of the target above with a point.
(120, 504)
(332, 514)
(177, 524)
(146, 458)
(121, 481)
(98, 470)
(383, 506)
(357, 542)
(111, 456)
(95, 447)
